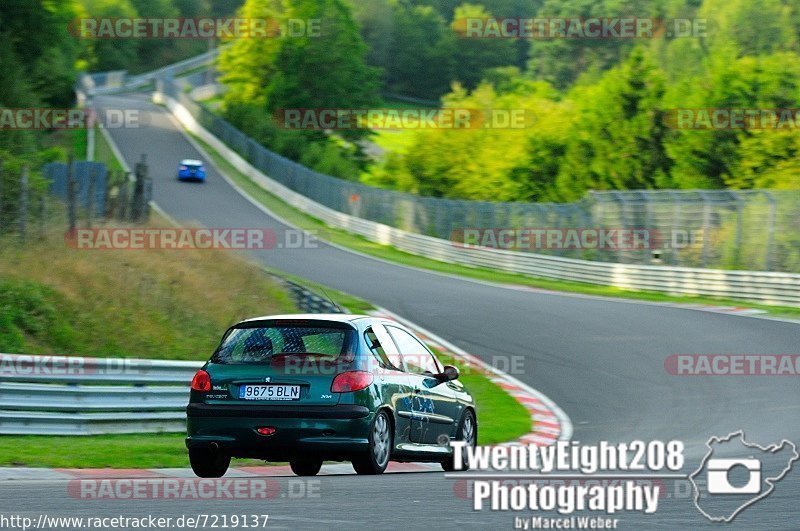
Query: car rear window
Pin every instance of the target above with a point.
(260, 344)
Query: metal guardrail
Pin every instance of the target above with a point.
(60, 395)
(104, 83)
(758, 286)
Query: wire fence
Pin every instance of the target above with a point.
(752, 229)
(70, 194)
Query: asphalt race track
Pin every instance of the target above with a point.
(602, 361)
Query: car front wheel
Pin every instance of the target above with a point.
(376, 459)
(467, 431)
(209, 463)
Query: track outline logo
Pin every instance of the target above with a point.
(770, 480)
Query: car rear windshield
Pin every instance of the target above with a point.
(259, 344)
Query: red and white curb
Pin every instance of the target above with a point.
(549, 423)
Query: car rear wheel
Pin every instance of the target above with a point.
(209, 463)
(467, 431)
(376, 459)
(306, 466)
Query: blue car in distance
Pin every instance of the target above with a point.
(191, 170)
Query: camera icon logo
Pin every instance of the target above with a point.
(747, 474)
(719, 476)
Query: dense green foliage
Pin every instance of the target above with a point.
(324, 68)
(604, 108)
(41, 53)
(141, 55)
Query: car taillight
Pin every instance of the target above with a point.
(201, 381)
(350, 381)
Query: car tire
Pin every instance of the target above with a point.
(467, 431)
(376, 458)
(306, 466)
(209, 463)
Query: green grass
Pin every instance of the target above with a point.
(104, 154)
(163, 304)
(160, 450)
(79, 143)
(360, 244)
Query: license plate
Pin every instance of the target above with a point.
(269, 392)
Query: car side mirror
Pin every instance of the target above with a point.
(449, 373)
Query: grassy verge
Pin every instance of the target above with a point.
(163, 304)
(104, 154)
(357, 243)
(158, 450)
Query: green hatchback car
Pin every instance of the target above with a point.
(311, 388)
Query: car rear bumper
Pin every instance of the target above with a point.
(340, 411)
(330, 431)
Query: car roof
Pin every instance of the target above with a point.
(191, 162)
(336, 317)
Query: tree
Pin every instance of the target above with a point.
(420, 60)
(247, 65)
(48, 54)
(325, 70)
(618, 137)
(474, 56)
